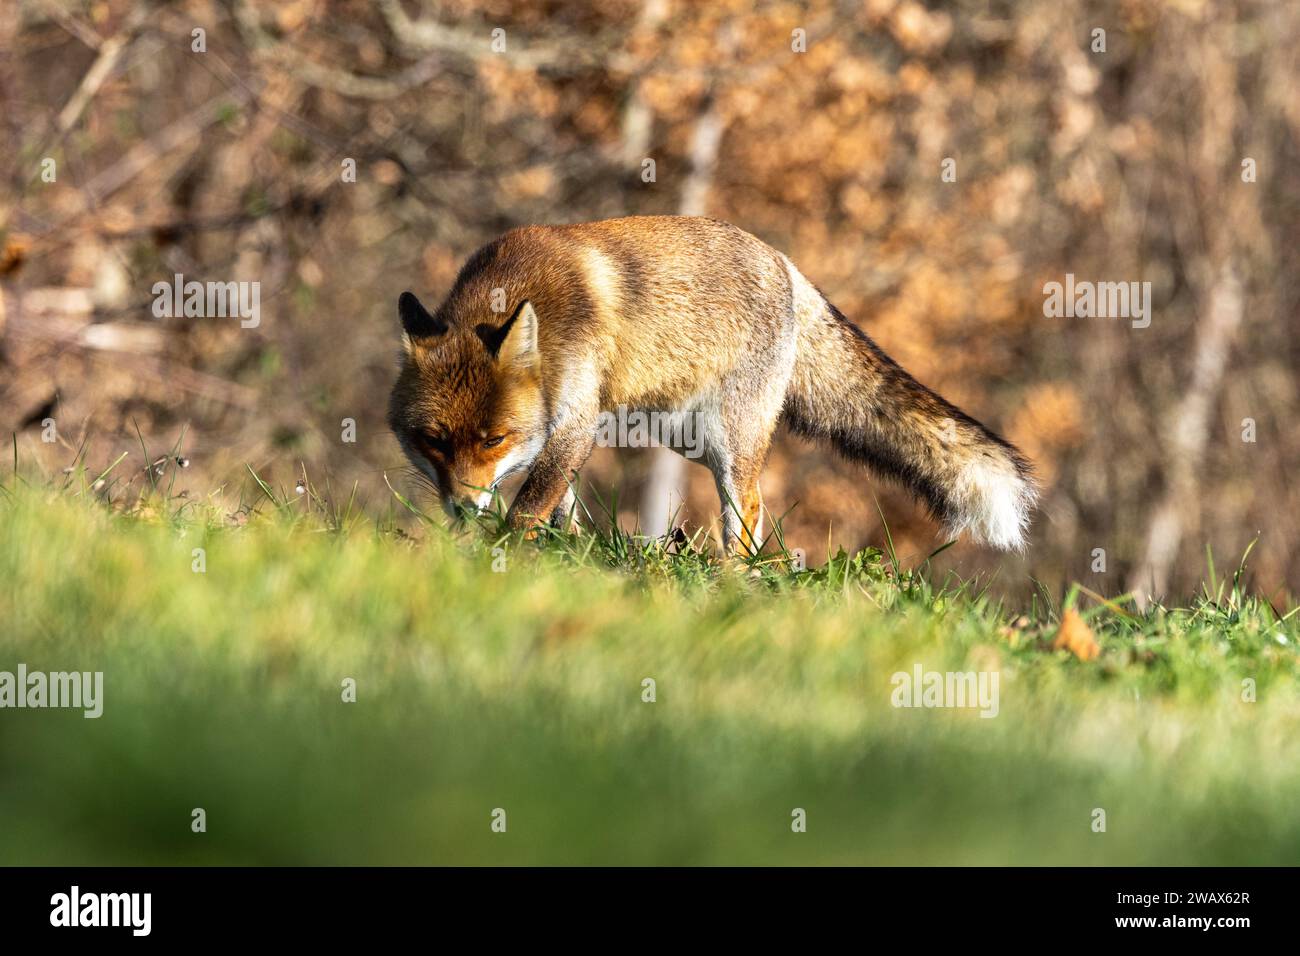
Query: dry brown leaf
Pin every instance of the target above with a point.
(1076, 637)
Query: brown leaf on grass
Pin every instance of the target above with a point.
(1076, 637)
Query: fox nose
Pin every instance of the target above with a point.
(460, 508)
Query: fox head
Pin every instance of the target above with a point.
(467, 407)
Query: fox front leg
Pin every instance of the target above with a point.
(565, 516)
(550, 479)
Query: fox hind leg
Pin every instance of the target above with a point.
(736, 468)
(748, 419)
(740, 418)
(742, 505)
(751, 514)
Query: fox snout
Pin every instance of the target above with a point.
(462, 507)
(463, 497)
(462, 491)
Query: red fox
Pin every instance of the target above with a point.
(683, 315)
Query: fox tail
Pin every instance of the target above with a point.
(847, 391)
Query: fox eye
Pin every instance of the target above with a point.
(493, 442)
(437, 443)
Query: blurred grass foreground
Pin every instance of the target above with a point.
(592, 699)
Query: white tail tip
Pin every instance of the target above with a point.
(993, 502)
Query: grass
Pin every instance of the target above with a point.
(522, 688)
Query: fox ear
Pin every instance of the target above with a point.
(416, 320)
(514, 343)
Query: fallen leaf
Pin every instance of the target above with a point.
(1076, 637)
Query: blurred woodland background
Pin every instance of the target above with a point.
(1169, 157)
